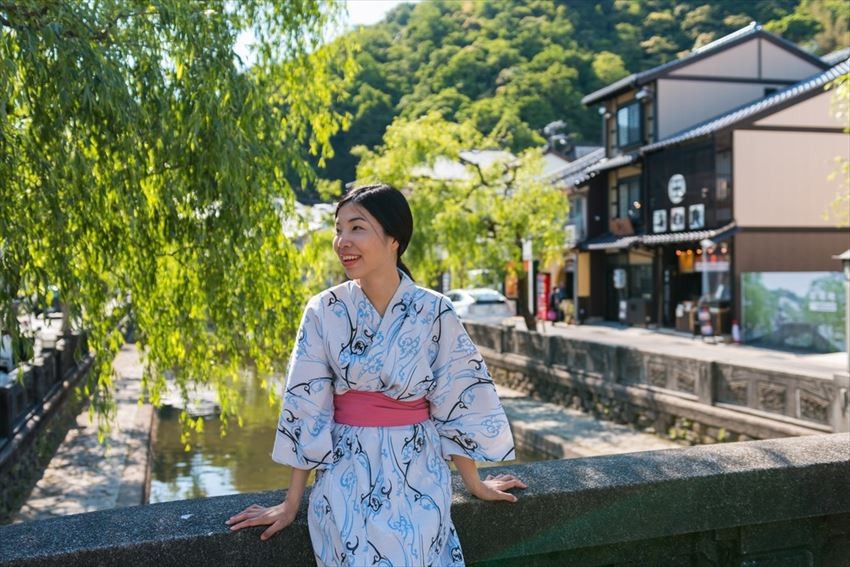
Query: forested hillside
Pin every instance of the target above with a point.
(511, 67)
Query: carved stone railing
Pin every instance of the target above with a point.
(697, 399)
(776, 502)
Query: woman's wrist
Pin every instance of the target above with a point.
(468, 473)
(290, 509)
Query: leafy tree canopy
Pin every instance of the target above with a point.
(140, 160)
(477, 220)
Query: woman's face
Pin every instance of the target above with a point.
(361, 243)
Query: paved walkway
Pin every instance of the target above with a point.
(85, 476)
(678, 344)
(561, 432)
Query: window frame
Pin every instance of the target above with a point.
(633, 184)
(639, 125)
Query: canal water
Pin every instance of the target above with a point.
(215, 465)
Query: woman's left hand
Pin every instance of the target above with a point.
(494, 487)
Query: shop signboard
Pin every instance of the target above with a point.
(799, 310)
(696, 216)
(676, 188)
(659, 220)
(718, 266)
(677, 218)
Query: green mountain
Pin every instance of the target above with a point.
(511, 67)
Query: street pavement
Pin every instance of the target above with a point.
(559, 432)
(85, 476)
(683, 345)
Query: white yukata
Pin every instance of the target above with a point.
(383, 494)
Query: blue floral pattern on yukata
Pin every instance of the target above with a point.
(383, 494)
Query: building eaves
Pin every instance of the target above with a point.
(608, 242)
(739, 36)
(690, 236)
(603, 164)
(576, 167)
(616, 87)
(750, 110)
(836, 57)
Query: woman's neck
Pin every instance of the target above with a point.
(380, 288)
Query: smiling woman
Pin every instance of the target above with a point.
(384, 386)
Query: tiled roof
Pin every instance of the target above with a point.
(691, 236)
(612, 241)
(836, 56)
(739, 36)
(608, 241)
(800, 89)
(576, 167)
(604, 164)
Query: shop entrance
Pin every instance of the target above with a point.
(685, 271)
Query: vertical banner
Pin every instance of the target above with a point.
(544, 288)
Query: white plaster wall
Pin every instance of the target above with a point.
(815, 112)
(682, 104)
(776, 63)
(781, 178)
(739, 61)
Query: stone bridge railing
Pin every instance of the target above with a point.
(775, 502)
(694, 399)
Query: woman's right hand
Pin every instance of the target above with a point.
(276, 517)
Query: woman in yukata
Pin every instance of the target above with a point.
(383, 386)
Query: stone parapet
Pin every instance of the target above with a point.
(776, 502)
(671, 393)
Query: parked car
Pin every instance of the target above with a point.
(480, 304)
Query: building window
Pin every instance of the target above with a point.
(723, 186)
(628, 203)
(577, 217)
(628, 124)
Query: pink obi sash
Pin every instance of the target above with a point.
(373, 409)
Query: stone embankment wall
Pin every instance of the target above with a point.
(776, 502)
(695, 400)
(37, 407)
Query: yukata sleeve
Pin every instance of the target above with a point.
(464, 405)
(303, 438)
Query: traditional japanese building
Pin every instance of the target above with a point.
(687, 175)
(744, 193)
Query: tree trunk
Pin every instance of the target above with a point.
(522, 304)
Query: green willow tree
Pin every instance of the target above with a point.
(475, 221)
(140, 158)
(839, 208)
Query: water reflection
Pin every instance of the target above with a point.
(216, 466)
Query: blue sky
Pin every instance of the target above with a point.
(365, 12)
(360, 12)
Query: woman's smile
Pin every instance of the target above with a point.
(348, 260)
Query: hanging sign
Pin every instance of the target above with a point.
(676, 188)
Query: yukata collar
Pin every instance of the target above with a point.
(405, 285)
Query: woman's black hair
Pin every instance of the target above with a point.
(389, 207)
